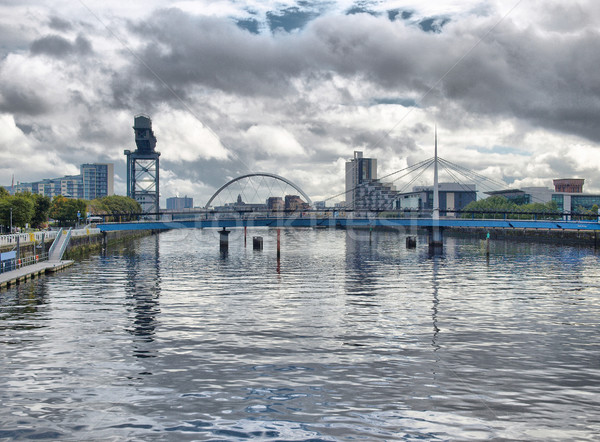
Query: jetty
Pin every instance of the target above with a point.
(32, 268)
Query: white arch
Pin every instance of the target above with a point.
(269, 175)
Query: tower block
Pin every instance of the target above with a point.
(143, 167)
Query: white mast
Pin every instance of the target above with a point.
(436, 193)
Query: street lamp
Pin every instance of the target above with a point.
(11, 220)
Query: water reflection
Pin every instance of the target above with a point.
(354, 339)
(142, 288)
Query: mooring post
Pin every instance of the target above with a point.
(224, 239)
(487, 244)
(245, 232)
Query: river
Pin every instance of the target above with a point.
(348, 336)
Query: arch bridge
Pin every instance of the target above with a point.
(261, 174)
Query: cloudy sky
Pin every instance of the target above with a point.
(294, 87)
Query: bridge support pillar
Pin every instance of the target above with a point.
(224, 239)
(436, 239)
(278, 243)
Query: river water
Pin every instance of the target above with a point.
(345, 338)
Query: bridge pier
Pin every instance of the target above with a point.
(436, 239)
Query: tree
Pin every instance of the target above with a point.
(498, 206)
(3, 192)
(492, 207)
(41, 206)
(65, 210)
(115, 205)
(22, 210)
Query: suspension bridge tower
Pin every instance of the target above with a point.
(142, 166)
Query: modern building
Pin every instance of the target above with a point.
(568, 195)
(295, 203)
(180, 203)
(374, 196)
(98, 180)
(359, 171)
(95, 181)
(143, 167)
(452, 197)
(275, 203)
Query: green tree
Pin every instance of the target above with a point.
(116, 205)
(41, 206)
(491, 207)
(3, 192)
(21, 207)
(65, 210)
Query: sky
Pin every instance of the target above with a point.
(295, 87)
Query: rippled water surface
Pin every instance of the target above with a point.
(345, 338)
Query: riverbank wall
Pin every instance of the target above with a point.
(78, 245)
(566, 237)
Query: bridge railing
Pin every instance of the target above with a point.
(207, 215)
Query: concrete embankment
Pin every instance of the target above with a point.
(83, 245)
(79, 246)
(567, 237)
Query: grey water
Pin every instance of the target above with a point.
(349, 336)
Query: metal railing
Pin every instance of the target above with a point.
(56, 240)
(64, 244)
(15, 263)
(33, 237)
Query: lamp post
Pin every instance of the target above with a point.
(11, 220)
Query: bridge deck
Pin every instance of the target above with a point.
(351, 223)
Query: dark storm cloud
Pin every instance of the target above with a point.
(183, 50)
(16, 100)
(59, 47)
(544, 79)
(58, 24)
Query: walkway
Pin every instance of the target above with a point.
(17, 276)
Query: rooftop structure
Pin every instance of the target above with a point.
(569, 185)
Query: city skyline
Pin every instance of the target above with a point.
(257, 86)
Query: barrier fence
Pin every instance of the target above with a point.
(33, 237)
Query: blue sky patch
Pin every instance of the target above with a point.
(290, 19)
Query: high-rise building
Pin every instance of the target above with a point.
(359, 170)
(179, 203)
(98, 180)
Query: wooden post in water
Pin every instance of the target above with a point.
(224, 239)
(245, 232)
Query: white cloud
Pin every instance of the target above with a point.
(274, 141)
